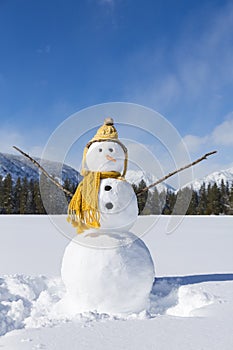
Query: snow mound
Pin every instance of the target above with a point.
(35, 302)
(24, 300)
(112, 280)
(171, 298)
(189, 300)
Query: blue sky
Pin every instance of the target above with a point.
(58, 57)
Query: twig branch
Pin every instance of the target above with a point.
(138, 193)
(44, 171)
(175, 172)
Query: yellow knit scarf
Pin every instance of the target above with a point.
(83, 210)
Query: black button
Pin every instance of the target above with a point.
(109, 205)
(107, 188)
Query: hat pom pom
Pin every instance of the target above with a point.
(108, 121)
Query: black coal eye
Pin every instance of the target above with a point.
(100, 150)
(110, 149)
(109, 205)
(108, 188)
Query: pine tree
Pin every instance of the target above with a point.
(54, 199)
(216, 200)
(7, 195)
(142, 198)
(213, 200)
(17, 192)
(24, 197)
(155, 202)
(231, 200)
(192, 209)
(167, 201)
(30, 207)
(183, 199)
(1, 194)
(202, 202)
(69, 185)
(209, 199)
(224, 197)
(39, 208)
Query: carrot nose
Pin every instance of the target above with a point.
(110, 158)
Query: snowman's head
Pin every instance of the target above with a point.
(105, 152)
(105, 156)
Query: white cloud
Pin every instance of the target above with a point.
(223, 133)
(166, 91)
(201, 66)
(106, 2)
(206, 63)
(194, 143)
(220, 139)
(36, 151)
(109, 5)
(10, 138)
(44, 49)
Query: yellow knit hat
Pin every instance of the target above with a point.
(107, 132)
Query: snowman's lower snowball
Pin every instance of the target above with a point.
(113, 281)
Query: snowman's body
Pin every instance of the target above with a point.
(112, 280)
(117, 205)
(110, 270)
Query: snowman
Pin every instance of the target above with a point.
(105, 268)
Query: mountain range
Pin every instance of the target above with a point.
(215, 177)
(136, 176)
(19, 166)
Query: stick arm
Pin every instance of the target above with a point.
(176, 171)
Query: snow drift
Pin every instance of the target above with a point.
(34, 302)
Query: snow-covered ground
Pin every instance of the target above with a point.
(191, 301)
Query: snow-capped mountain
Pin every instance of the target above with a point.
(136, 176)
(19, 166)
(215, 177)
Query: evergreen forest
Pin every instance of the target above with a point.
(23, 197)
